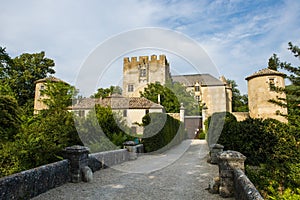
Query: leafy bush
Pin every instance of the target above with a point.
(201, 136)
(272, 151)
(161, 132)
(103, 130)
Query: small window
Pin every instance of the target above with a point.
(198, 98)
(130, 88)
(197, 88)
(124, 113)
(133, 130)
(272, 84)
(81, 113)
(147, 111)
(42, 88)
(142, 72)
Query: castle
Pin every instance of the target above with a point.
(214, 94)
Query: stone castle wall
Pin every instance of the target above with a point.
(259, 94)
(38, 104)
(140, 72)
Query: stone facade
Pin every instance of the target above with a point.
(131, 109)
(215, 93)
(138, 73)
(40, 85)
(260, 90)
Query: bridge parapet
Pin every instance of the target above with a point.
(232, 180)
(77, 167)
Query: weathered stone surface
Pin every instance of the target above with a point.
(228, 161)
(30, 183)
(105, 159)
(215, 149)
(78, 157)
(87, 174)
(244, 188)
(134, 150)
(214, 185)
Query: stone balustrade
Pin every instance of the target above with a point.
(232, 181)
(77, 166)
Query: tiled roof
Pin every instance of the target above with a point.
(264, 72)
(117, 102)
(203, 79)
(51, 79)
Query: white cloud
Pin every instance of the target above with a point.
(239, 36)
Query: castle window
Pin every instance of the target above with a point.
(81, 113)
(198, 98)
(124, 113)
(130, 88)
(142, 72)
(197, 88)
(41, 89)
(272, 84)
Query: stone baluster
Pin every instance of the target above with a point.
(78, 158)
(215, 149)
(228, 161)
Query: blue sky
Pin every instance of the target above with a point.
(239, 36)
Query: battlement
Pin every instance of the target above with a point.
(145, 59)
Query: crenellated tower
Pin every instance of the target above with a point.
(137, 73)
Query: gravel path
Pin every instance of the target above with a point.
(181, 173)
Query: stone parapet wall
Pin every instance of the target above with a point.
(232, 181)
(30, 183)
(105, 159)
(244, 188)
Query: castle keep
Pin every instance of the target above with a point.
(138, 73)
(214, 93)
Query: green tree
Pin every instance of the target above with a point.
(105, 92)
(192, 107)
(5, 62)
(292, 100)
(112, 125)
(168, 99)
(41, 138)
(59, 95)
(274, 62)
(239, 102)
(278, 177)
(10, 122)
(24, 71)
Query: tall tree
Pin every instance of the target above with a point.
(5, 61)
(292, 102)
(59, 95)
(274, 62)
(239, 102)
(191, 105)
(24, 71)
(10, 122)
(168, 99)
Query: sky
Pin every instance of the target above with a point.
(238, 36)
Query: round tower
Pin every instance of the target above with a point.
(261, 88)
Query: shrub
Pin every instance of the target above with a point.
(161, 132)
